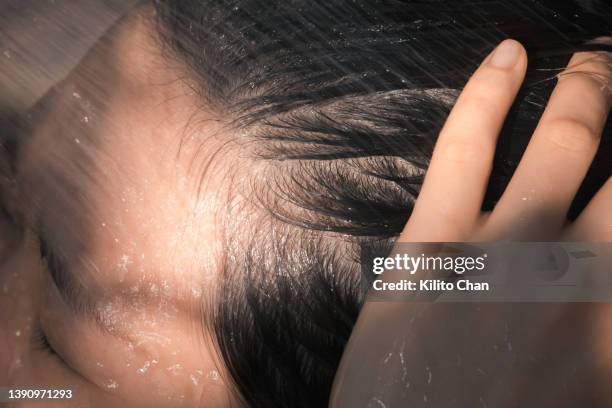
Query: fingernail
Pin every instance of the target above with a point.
(506, 54)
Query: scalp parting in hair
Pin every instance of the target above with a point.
(343, 101)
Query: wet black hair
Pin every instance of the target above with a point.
(341, 102)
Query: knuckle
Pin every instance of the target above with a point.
(481, 100)
(571, 135)
(493, 86)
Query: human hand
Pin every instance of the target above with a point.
(496, 354)
(535, 203)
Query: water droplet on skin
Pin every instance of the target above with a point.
(76, 95)
(18, 333)
(196, 292)
(194, 380)
(18, 363)
(111, 384)
(109, 315)
(76, 139)
(213, 375)
(7, 54)
(378, 402)
(175, 369)
(124, 262)
(144, 368)
(386, 360)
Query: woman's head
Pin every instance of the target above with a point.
(201, 187)
(109, 182)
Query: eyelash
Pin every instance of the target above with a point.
(48, 260)
(42, 251)
(40, 338)
(41, 342)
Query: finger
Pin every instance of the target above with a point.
(595, 221)
(451, 197)
(561, 149)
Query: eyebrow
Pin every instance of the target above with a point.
(75, 295)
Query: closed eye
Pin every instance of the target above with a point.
(41, 342)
